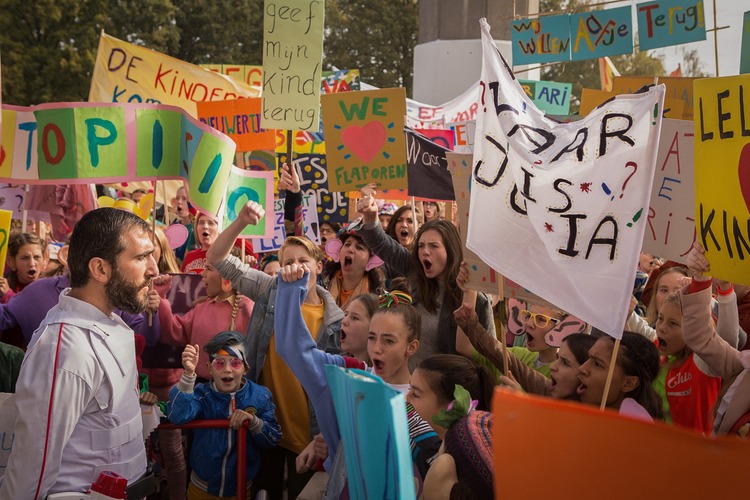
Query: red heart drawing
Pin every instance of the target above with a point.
(365, 142)
(744, 174)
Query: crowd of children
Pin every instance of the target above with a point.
(385, 294)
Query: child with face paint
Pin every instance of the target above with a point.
(27, 259)
(393, 338)
(353, 270)
(228, 395)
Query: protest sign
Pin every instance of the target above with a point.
(428, 173)
(553, 204)
(292, 52)
(11, 198)
(463, 134)
(541, 40)
(127, 73)
(677, 88)
(248, 74)
(372, 417)
(670, 22)
(260, 160)
(481, 276)
(331, 206)
(745, 50)
(366, 128)
(78, 143)
(342, 80)
(722, 174)
(184, 291)
(5, 219)
(551, 97)
(309, 216)
(244, 186)
(8, 414)
(240, 120)
(671, 223)
(611, 444)
(601, 33)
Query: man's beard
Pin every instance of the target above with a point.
(123, 294)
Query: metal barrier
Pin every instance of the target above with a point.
(241, 445)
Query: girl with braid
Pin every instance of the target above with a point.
(224, 309)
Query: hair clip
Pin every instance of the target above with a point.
(388, 299)
(461, 406)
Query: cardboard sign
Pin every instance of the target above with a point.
(722, 174)
(541, 40)
(481, 276)
(244, 186)
(293, 48)
(671, 223)
(551, 97)
(601, 33)
(331, 206)
(127, 73)
(552, 202)
(240, 120)
(609, 445)
(248, 74)
(677, 88)
(79, 143)
(364, 132)
(670, 22)
(375, 435)
(309, 215)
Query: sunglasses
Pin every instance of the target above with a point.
(540, 320)
(219, 363)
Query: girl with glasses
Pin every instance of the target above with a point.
(228, 395)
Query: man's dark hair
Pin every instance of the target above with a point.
(99, 234)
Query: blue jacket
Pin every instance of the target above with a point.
(213, 456)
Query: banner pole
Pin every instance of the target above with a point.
(153, 242)
(610, 374)
(25, 213)
(716, 41)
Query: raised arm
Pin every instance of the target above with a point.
(492, 349)
(251, 213)
(397, 257)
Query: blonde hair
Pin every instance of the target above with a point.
(299, 241)
(167, 260)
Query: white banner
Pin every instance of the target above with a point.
(559, 208)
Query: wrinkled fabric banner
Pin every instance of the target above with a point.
(559, 207)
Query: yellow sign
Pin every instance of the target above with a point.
(677, 88)
(5, 217)
(127, 73)
(722, 174)
(250, 75)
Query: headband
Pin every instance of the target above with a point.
(461, 406)
(394, 298)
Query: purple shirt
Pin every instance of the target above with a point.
(27, 309)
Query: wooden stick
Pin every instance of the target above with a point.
(25, 213)
(610, 374)
(716, 42)
(289, 150)
(153, 242)
(414, 214)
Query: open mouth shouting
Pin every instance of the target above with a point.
(404, 235)
(581, 388)
(378, 366)
(346, 264)
(427, 266)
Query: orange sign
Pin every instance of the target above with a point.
(240, 120)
